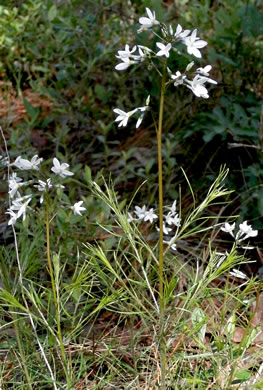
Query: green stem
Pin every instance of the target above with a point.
(61, 343)
(161, 256)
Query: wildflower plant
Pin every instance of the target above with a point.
(128, 271)
(195, 79)
(40, 188)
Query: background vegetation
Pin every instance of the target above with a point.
(58, 88)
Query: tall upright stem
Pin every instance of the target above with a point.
(161, 284)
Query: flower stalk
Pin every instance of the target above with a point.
(161, 256)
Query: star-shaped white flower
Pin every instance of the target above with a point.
(61, 169)
(150, 216)
(126, 53)
(227, 228)
(140, 211)
(126, 62)
(164, 49)
(178, 78)
(193, 44)
(173, 219)
(246, 231)
(22, 163)
(123, 116)
(179, 33)
(13, 216)
(14, 183)
(77, 208)
(20, 205)
(197, 87)
(43, 186)
(148, 22)
(166, 229)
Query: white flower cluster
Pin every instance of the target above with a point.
(197, 84)
(128, 58)
(244, 231)
(19, 203)
(171, 220)
(195, 81)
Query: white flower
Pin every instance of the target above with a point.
(169, 242)
(238, 274)
(178, 78)
(130, 217)
(128, 58)
(196, 85)
(179, 33)
(173, 219)
(227, 228)
(123, 116)
(43, 186)
(77, 208)
(149, 216)
(164, 49)
(14, 184)
(166, 230)
(61, 169)
(140, 211)
(125, 64)
(245, 229)
(125, 56)
(127, 52)
(13, 216)
(148, 22)
(193, 44)
(19, 205)
(204, 71)
(22, 163)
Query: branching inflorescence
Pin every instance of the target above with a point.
(195, 80)
(20, 203)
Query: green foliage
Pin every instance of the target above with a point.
(235, 119)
